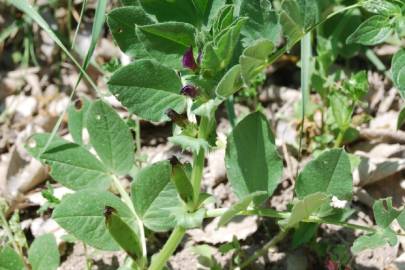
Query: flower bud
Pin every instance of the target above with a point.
(188, 59)
(189, 91)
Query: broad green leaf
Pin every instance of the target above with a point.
(77, 114)
(401, 219)
(189, 143)
(230, 83)
(173, 10)
(304, 233)
(44, 253)
(82, 215)
(214, 7)
(303, 208)
(341, 108)
(372, 31)
(375, 240)
(10, 260)
(148, 89)
(155, 197)
(252, 161)
(122, 23)
(255, 58)
(167, 42)
(309, 12)
(223, 20)
(330, 173)
(123, 234)
(238, 207)
(291, 22)
(380, 7)
(71, 164)
(398, 71)
(384, 213)
(262, 23)
(110, 137)
(181, 179)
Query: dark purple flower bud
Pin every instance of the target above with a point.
(188, 59)
(189, 91)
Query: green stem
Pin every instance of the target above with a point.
(230, 110)
(373, 58)
(196, 174)
(9, 234)
(168, 249)
(339, 139)
(127, 200)
(259, 253)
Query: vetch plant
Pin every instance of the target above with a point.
(190, 57)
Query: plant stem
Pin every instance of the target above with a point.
(230, 110)
(168, 249)
(127, 200)
(259, 253)
(9, 233)
(339, 139)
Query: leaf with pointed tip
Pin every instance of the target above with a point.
(190, 143)
(82, 215)
(148, 89)
(252, 161)
(71, 164)
(303, 208)
(110, 137)
(384, 213)
(43, 253)
(330, 173)
(372, 31)
(291, 21)
(77, 120)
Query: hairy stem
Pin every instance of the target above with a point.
(259, 253)
(168, 249)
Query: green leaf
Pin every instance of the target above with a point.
(398, 71)
(148, 89)
(304, 233)
(44, 253)
(341, 108)
(189, 220)
(122, 23)
(357, 86)
(123, 234)
(291, 22)
(384, 213)
(189, 143)
(401, 118)
(252, 160)
(254, 59)
(155, 197)
(309, 12)
(380, 7)
(372, 31)
(401, 219)
(330, 173)
(180, 178)
(10, 260)
(110, 137)
(230, 83)
(82, 215)
(77, 119)
(263, 21)
(238, 207)
(375, 240)
(217, 55)
(303, 208)
(173, 10)
(71, 164)
(167, 42)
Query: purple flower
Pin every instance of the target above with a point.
(188, 59)
(189, 90)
